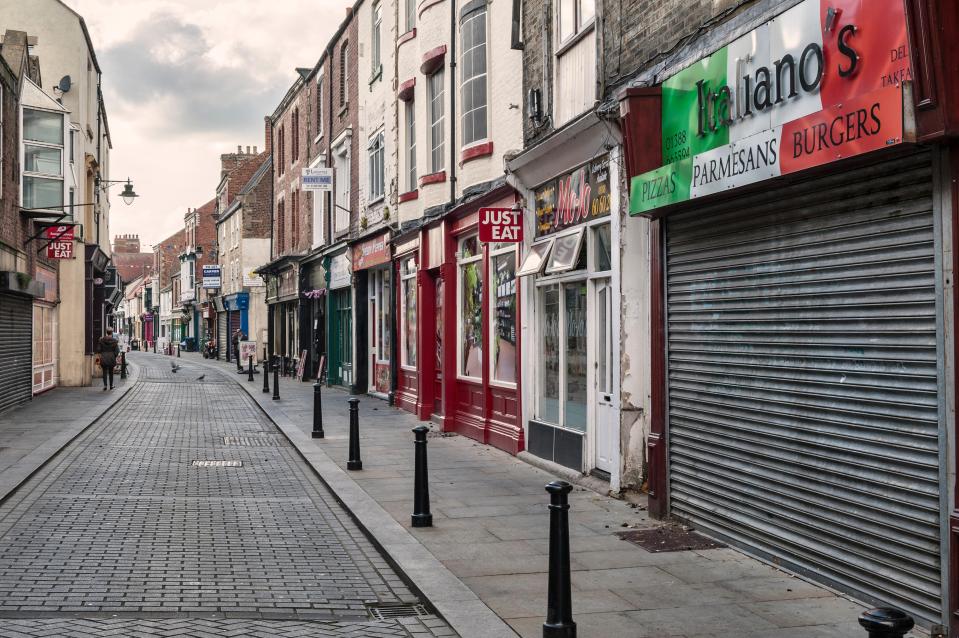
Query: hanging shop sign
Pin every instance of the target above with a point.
(63, 232)
(500, 225)
(371, 252)
(211, 276)
(574, 198)
(317, 179)
(818, 83)
(60, 249)
(341, 273)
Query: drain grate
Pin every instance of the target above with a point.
(262, 440)
(386, 611)
(216, 463)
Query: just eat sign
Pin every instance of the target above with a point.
(500, 225)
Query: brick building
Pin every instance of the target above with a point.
(166, 263)
(195, 302)
(244, 219)
(129, 260)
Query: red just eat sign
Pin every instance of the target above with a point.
(61, 246)
(500, 225)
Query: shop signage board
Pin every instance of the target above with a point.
(818, 83)
(317, 179)
(500, 225)
(341, 274)
(63, 232)
(60, 249)
(579, 196)
(211, 276)
(371, 252)
(247, 350)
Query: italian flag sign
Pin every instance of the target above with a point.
(821, 82)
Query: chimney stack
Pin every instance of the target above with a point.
(247, 150)
(268, 134)
(254, 150)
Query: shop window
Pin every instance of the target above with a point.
(503, 314)
(470, 267)
(602, 248)
(380, 311)
(565, 255)
(535, 258)
(549, 338)
(408, 300)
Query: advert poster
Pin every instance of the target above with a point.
(574, 198)
(818, 83)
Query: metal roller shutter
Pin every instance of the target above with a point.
(803, 378)
(16, 350)
(222, 334)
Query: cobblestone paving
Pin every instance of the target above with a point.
(123, 535)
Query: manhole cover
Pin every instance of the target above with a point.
(671, 538)
(386, 611)
(262, 440)
(216, 463)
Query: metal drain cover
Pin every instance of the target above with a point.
(386, 611)
(215, 463)
(262, 440)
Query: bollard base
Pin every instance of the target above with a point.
(317, 435)
(560, 630)
(422, 520)
(354, 465)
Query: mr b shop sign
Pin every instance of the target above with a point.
(821, 82)
(60, 241)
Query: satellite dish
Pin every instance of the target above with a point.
(65, 84)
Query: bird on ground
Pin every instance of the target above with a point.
(201, 377)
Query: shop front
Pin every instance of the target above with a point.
(313, 307)
(18, 291)
(339, 332)
(45, 331)
(799, 276)
(405, 354)
(373, 321)
(572, 306)
(282, 298)
(468, 330)
(236, 317)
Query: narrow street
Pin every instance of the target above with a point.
(184, 511)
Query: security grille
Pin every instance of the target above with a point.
(803, 378)
(16, 350)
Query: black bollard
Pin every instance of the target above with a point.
(178, 351)
(559, 607)
(154, 346)
(276, 382)
(317, 412)
(123, 365)
(250, 375)
(354, 462)
(421, 486)
(266, 374)
(886, 622)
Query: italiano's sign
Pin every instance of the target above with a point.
(818, 83)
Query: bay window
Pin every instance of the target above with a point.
(408, 301)
(470, 268)
(43, 147)
(473, 65)
(503, 312)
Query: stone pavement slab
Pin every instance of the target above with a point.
(491, 532)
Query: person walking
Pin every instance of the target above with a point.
(109, 349)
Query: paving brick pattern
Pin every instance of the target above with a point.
(122, 523)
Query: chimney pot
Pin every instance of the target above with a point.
(247, 150)
(254, 149)
(239, 149)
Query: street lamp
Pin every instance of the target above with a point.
(128, 194)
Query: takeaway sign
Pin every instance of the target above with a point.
(500, 225)
(61, 241)
(818, 83)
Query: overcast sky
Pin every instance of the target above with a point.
(185, 81)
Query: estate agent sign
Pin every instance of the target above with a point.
(818, 83)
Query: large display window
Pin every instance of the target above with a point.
(503, 313)
(470, 292)
(408, 301)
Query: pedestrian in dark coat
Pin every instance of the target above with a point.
(108, 349)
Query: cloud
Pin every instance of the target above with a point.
(167, 61)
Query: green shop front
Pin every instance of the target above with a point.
(339, 334)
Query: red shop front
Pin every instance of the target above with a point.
(468, 329)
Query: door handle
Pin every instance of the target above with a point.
(607, 397)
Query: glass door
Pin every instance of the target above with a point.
(605, 417)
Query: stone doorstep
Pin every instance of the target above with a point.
(19, 473)
(458, 605)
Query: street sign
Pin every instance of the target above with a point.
(211, 276)
(63, 232)
(60, 250)
(317, 179)
(500, 225)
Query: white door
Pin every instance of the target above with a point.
(603, 378)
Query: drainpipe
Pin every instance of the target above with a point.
(452, 101)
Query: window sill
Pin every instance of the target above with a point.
(377, 74)
(318, 139)
(376, 200)
(476, 151)
(573, 41)
(409, 196)
(406, 37)
(344, 109)
(433, 178)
